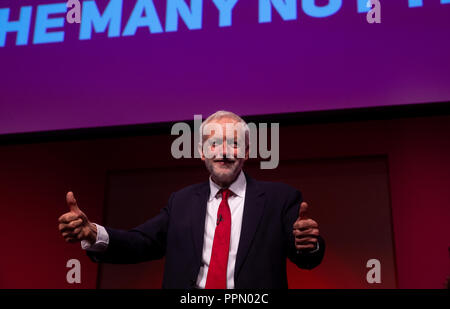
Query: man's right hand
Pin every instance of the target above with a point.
(74, 225)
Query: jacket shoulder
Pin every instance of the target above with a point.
(277, 187)
(187, 191)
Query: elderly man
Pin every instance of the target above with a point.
(229, 232)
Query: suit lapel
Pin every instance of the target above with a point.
(253, 210)
(198, 216)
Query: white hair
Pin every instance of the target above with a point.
(224, 114)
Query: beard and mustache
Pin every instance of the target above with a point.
(224, 170)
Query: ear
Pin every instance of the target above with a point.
(247, 151)
(200, 151)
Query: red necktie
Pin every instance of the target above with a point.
(217, 271)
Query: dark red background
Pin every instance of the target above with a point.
(35, 176)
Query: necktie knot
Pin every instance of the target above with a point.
(226, 193)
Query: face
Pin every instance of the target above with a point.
(223, 162)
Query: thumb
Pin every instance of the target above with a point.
(303, 211)
(72, 202)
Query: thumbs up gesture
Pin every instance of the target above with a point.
(305, 230)
(74, 225)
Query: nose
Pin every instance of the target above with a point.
(224, 149)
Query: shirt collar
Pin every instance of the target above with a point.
(237, 187)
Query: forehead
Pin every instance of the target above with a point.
(224, 122)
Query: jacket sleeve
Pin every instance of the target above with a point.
(305, 260)
(142, 243)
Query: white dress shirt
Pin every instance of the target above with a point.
(236, 203)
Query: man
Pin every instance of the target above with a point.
(229, 232)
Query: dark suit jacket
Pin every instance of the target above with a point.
(266, 240)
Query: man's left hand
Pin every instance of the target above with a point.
(305, 230)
